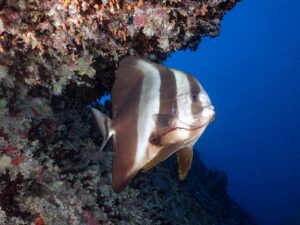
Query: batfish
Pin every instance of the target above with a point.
(156, 111)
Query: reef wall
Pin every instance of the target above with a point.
(55, 58)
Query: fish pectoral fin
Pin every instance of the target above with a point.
(185, 158)
(163, 120)
(163, 124)
(104, 124)
(163, 154)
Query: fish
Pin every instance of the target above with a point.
(156, 111)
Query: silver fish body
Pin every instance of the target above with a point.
(157, 111)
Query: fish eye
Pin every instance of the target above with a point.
(194, 96)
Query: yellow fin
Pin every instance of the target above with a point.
(185, 158)
(163, 154)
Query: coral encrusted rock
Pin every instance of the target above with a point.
(56, 57)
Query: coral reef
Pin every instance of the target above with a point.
(54, 43)
(55, 58)
(62, 179)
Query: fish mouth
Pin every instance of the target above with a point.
(213, 117)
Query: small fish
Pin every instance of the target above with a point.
(157, 111)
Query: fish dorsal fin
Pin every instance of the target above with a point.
(163, 154)
(185, 158)
(129, 76)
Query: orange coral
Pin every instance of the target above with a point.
(203, 10)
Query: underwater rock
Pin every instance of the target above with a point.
(55, 58)
(51, 44)
(56, 174)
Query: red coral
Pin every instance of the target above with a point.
(161, 12)
(17, 160)
(15, 114)
(39, 221)
(9, 150)
(90, 219)
(41, 175)
(139, 20)
(22, 133)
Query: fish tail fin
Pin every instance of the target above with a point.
(105, 125)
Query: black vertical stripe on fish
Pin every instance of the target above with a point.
(168, 91)
(167, 106)
(196, 106)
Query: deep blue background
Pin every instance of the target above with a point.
(252, 74)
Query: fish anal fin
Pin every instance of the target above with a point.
(125, 167)
(120, 180)
(185, 158)
(122, 173)
(124, 151)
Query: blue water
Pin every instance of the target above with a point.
(252, 74)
